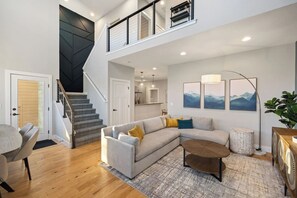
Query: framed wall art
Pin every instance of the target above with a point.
(192, 95)
(214, 96)
(243, 96)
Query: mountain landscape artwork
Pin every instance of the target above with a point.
(214, 96)
(192, 95)
(243, 95)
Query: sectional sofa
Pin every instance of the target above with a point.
(130, 157)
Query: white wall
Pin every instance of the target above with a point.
(124, 73)
(29, 40)
(121, 12)
(273, 67)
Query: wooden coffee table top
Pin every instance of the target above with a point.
(206, 149)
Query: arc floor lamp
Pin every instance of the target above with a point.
(216, 78)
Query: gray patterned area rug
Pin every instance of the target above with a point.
(243, 177)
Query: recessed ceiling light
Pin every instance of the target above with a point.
(162, 2)
(183, 53)
(154, 68)
(246, 38)
(66, 0)
(92, 14)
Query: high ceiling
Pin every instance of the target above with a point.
(270, 29)
(102, 7)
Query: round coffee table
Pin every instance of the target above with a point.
(205, 156)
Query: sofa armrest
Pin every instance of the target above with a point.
(119, 155)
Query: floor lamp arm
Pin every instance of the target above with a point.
(259, 101)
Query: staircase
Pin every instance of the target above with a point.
(86, 123)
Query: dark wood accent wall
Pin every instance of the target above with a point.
(76, 43)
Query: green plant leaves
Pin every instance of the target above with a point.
(285, 108)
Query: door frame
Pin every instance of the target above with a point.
(111, 95)
(8, 75)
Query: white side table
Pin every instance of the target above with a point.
(242, 141)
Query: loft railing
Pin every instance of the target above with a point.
(151, 19)
(62, 96)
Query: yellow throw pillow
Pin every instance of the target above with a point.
(172, 122)
(136, 132)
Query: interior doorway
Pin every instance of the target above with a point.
(120, 101)
(29, 101)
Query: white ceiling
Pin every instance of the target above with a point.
(101, 7)
(270, 29)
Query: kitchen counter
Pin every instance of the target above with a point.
(153, 103)
(147, 110)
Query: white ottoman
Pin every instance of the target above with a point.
(242, 141)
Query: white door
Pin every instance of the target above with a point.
(30, 103)
(120, 102)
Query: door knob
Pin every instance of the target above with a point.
(114, 110)
(15, 114)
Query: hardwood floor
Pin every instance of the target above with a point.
(61, 172)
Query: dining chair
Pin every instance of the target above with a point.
(26, 128)
(4, 174)
(29, 140)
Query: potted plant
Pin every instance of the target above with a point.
(285, 108)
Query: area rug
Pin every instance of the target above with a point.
(43, 143)
(243, 177)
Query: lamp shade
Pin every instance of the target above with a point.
(211, 79)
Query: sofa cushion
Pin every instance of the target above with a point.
(153, 124)
(185, 124)
(220, 137)
(203, 123)
(154, 141)
(124, 128)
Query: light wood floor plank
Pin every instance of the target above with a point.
(61, 172)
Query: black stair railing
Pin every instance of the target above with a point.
(62, 96)
(126, 21)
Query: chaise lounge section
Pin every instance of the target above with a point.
(130, 157)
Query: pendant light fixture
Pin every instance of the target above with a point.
(153, 83)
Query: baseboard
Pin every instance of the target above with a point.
(62, 141)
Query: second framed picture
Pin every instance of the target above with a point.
(214, 96)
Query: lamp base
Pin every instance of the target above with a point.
(259, 151)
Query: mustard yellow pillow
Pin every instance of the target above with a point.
(136, 132)
(172, 122)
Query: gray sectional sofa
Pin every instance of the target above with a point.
(130, 157)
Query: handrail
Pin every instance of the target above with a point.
(96, 88)
(134, 13)
(127, 20)
(66, 100)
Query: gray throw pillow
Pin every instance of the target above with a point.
(203, 123)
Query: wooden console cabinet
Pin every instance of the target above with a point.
(284, 156)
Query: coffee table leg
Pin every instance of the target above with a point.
(220, 170)
(184, 157)
(220, 177)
